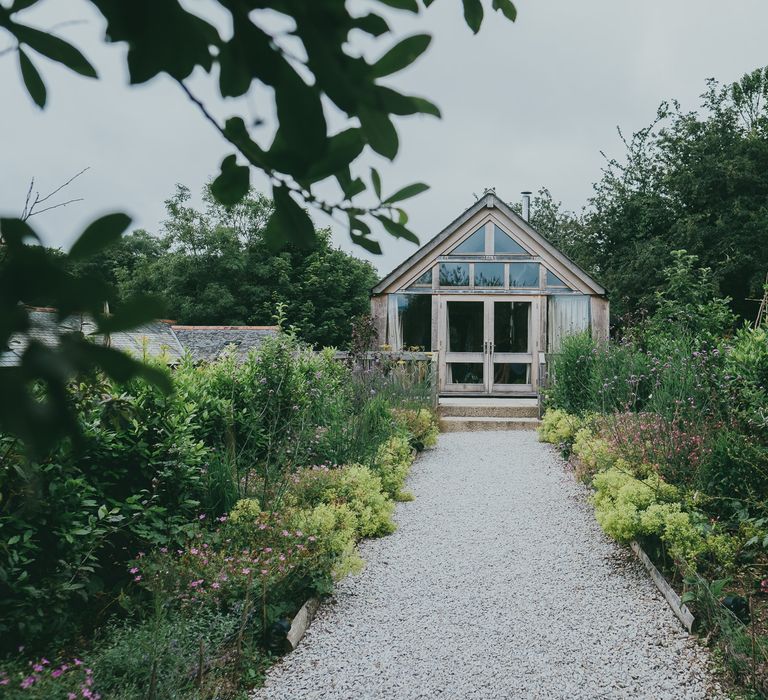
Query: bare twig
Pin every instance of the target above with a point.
(30, 204)
(61, 187)
(56, 206)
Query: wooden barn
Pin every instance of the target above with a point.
(492, 297)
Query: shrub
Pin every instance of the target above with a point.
(334, 527)
(735, 468)
(621, 498)
(572, 370)
(594, 453)
(392, 464)
(420, 424)
(356, 486)
(135, 479)
(559, 427)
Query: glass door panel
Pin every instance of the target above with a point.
(511, 349)
(511, 324)
(465, 359)
(465, 326)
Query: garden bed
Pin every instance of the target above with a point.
(193, 532)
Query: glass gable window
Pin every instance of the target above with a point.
(489, 274)
(504, 245)
(454, 274)
(524, 275)
(425, 280)
(554, 281)
(474, 245)
(414, 316)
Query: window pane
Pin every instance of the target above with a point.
(502, 243)
(554, 281)
(424, 281)
(465, 326)
(465, 372)
(489, 274)
(415, 316)
(474, 245)
(454, 274)
(510, 326)
(524, 275)
(511, 373)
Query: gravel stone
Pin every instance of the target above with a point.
(497, 584)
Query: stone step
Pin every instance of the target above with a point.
(464, 424)
(481, 411)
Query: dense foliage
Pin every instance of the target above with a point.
(215, 267)
(693, 180)
(306, 70)
(184, 529)
(669, 425)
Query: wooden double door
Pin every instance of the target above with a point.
(488, 344)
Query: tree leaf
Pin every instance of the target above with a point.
(55, 48)
(300, 115)
(376, 180)
(99, 234)
(15, 232)
(349, 187)
(343, 149)
(132, 313)
(407, 192)
(473, 14)
(403, 105)
(409, 5)
(233, 183)
(366, 243)
(379, 131)
(397, 230)
(372, 24)
(288, 223)
(401, 55)
(161, 36)
(506, 7)
(32, 80)
(19, 5)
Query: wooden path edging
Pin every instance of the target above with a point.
(678, 607)
(673, 599)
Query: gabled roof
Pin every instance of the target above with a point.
(489, 202)
(156, 339)
(208, 343)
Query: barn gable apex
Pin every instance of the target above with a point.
(490, 207)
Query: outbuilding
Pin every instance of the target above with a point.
(492, 297)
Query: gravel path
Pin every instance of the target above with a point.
(497, 584)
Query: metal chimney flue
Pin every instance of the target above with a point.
(526, 204)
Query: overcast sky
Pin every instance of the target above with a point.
(524, 105)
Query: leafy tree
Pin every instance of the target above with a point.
(215, 267)
(311, 63)
(691, 180)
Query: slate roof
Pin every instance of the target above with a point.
(160, 338)
(207, 343)
(155, 338)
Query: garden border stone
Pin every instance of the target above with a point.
(301, 622)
